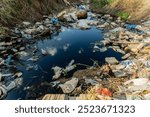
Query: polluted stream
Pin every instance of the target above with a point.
(69, 44)
(76, 42)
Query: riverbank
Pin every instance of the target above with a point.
(13, 12)
(131, 10)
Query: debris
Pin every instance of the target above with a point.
(69, 67)
(111, 60)
(66, 46)
(54, 20)
(91, 81)
(18, 74)
(0, 77)
(104, 92)
(131, 26)
(51, 51)
(8, 60)
(3, 91)
(127, 63)
(126, 56)
(45, 33)
(82, 14)
(119, 73)
(57, 71)
(69, 86)
(66, 1)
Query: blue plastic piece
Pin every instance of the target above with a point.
(9, 59)
(131, 26)
(54, 20)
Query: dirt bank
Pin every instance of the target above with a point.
(13, 12)
(132, 10)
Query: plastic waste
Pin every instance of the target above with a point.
(8, 60)
(104, 92)
(130, 26)
(91, 81)
(57, 71)
(147, 64)
(69, 86)
(127, 63)
(54, 20)
(3, 91)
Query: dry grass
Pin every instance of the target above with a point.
(15, 11)
(137, 9)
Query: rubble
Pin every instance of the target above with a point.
(82, 14)
(69, 86)
(111, 60)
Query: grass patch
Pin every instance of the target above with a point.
(123, 15)
(101, 3)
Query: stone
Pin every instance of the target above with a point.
(111, 60)
(83, 24)
(45, 33)
(82, 14)
(126, 56)
(60, 16)
(26, 23)
(119, 73)
(30, 31)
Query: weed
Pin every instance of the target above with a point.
(123, 15)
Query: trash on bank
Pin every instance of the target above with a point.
(58, 71)
(69, 86)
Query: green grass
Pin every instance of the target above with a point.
(101, 3)
(123, 15)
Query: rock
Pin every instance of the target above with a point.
(117, 67)
(83, 24)
(106, 16)
(45, 33)
(81, 14)
(30, 31)
(26, 24)
(38, 23)
(119, 29)
(2, 48)
(103, 25)
(91, 81)
(69, 86)
(111, 60)
(22, 48)
(60, 16)
(138, 82)
(126, 56)
(119, 73)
